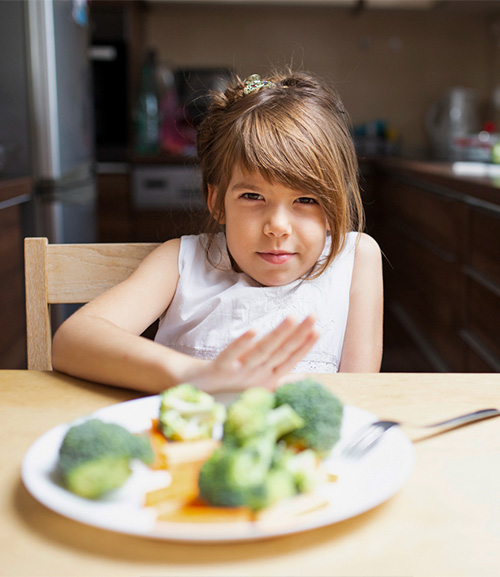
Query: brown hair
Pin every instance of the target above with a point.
(293, 130)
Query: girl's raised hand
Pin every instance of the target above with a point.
(249, 362)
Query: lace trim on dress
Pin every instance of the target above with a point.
(311, 366)
(203, 354)
(304, 366)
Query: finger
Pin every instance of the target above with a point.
(236, 349)
(293, 342)
(298, 354)
(268, 345)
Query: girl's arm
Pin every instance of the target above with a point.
(101, 341)
(362, 351)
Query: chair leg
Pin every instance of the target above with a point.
(38, 330)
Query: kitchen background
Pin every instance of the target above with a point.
(393, 62)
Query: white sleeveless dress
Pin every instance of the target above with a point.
(214, 305)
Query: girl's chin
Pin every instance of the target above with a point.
(274, 280)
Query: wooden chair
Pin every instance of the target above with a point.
(69, 273)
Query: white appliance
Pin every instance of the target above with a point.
(168, 187)
(454, 116)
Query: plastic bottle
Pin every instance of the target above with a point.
(147, 118)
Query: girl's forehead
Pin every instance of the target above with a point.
(241, 174)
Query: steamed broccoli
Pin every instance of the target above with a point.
(247, 415)
(245, 476)
(187, 414)
(244, 471)
(303, 466)
(253, 414)
(321, 411)
(278, 484)
(230, 473)
(95, 456)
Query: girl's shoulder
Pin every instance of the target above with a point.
(162, 260)
(168, 249)
(367, 261)
(366, 247)
(358, 249)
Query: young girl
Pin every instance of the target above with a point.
(280, 281)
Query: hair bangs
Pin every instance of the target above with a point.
(276, 148)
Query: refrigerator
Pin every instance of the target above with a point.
(59, 80)
(61, 120)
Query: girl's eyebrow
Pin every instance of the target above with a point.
(244, 186)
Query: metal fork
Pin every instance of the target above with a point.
(369, 435)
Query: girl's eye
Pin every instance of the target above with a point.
(251, 196)
(307, 200)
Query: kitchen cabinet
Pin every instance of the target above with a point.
(15, 182)
(114, 213)
(482, 278)
(120, 220)
(162, 225)
(440, 235)
(13, 195)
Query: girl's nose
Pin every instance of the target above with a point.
(277, 223)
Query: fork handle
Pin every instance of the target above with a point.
(467, 418)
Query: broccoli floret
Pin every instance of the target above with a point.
(253, 414)
(278, 484)
(245, 476)
(95, 456)
(303, 466)
(283, 420)
(187, 414)
(321, 411)
(247, 415)
(242, 472)
(230, 473)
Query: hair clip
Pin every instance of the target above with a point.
(254, 82)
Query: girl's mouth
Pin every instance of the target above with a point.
(276, 257)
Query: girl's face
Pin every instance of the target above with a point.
(274, 234)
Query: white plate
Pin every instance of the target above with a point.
(361, 485)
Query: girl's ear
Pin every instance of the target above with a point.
(211, 202)
(212, 195)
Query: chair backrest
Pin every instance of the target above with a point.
(69, 273)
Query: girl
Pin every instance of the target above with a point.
(280, 281)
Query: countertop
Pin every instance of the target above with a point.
(444, 174)
(15, 191)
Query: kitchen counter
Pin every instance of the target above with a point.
(440, 234)
(442, 174)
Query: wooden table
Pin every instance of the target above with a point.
(445, 522)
